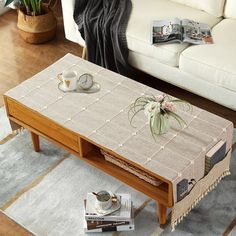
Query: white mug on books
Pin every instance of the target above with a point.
(104, 200)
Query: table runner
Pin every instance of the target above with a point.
(102, 117)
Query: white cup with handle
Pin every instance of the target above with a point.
(69, 80)
(104, 200)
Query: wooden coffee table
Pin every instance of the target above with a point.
(85, 124)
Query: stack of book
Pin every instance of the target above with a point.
(119, 220)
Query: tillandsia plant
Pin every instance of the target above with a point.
(158, 109)
(32, 7)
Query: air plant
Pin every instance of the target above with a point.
(158, 109)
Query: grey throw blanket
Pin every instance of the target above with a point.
(102, 24)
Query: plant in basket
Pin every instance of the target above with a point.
(158, 109)
(36, 22)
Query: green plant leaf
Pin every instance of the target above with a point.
(179, 119)
(131, 119)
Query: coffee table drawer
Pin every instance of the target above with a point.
(43, 124)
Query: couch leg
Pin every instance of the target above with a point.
(84, 53)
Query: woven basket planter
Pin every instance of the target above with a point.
(37, 29)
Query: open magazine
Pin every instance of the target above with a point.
(176, 30)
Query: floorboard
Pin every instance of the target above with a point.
(8, 227)
(20, 60)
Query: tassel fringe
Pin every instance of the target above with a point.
(210, 188)
(18, 131)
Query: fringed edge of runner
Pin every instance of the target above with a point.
(211, 187)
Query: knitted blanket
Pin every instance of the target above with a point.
(102, 24)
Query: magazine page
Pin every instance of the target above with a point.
(164, 31)
(196, 32)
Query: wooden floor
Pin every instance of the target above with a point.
(20, 60)
(8, 227)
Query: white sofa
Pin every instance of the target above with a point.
(206, 70)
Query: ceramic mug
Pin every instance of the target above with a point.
(69, 80)
(104, 200)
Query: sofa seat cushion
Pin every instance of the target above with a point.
(212, 63)
(224, 32)
(139, 27)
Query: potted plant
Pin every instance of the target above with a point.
(36, 22)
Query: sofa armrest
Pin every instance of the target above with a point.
(70, 27)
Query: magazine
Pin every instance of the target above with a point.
(176, 30)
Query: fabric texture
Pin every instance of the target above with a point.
(103, 24)
(224, 35)
(203, 62)
(230, 9)
(214, 7)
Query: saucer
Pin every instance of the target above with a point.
(62, 88)
(114, 207)
(95, 88)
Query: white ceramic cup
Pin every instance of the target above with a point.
(69, 80)
(104, 200)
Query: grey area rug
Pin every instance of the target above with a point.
(19, 164)
(55, 205)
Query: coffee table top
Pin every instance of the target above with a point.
(102, 117)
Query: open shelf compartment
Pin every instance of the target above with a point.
(91, 153)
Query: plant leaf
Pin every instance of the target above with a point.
(179, 119)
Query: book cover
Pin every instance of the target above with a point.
(123, 214)
(102, 224)
(182, 189)
(110, 225)
(215, 155)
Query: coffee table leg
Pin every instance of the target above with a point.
(161, 211)
(35, 140)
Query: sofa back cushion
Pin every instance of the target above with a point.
(213, 7)
(230, 9)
